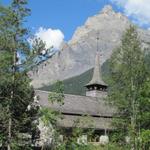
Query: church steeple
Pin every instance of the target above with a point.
(97, 78)
(96, 84)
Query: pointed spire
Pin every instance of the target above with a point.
(97, 79)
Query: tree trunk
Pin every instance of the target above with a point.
(11, 99)
(9, 134)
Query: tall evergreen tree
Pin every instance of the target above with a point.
(17, 110)
(129, 87)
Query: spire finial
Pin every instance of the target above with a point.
(97, 39)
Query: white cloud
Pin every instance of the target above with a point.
(52, 37)
(139, 10)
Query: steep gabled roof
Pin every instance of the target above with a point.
(78, 105)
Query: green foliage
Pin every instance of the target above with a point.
(92, 147)
(16, 93)
(49, 117)
(129, 87)
(71, 141)
(145, 137)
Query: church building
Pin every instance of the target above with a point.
(75, 108)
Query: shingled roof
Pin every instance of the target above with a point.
(76, 106)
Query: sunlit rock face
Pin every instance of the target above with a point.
(77, 55)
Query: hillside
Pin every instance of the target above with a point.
(76, 85)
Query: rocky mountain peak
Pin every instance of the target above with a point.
(107, 9)
(78, 55)
(106, 19)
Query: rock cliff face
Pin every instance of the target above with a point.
(77, 56)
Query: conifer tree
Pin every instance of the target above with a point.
(129, 90)
(16, 93)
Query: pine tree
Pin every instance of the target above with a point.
(16, 93)
(129, 90)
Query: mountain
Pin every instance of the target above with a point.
(77, 56)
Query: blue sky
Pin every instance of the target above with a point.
(65, 15)
(58, 19)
